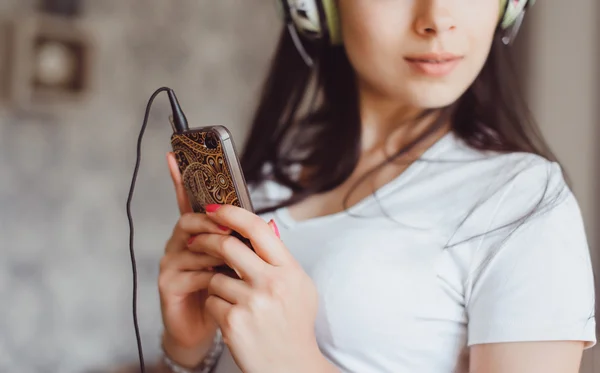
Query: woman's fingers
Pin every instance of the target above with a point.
(229, 289)
(265, 240)
(234, 252)
(183, 201)
(189, 226)
(186, 260)
(183, 283)
(219, 309)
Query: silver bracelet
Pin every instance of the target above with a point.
(207, 364)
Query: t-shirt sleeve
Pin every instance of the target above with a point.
(532, 280)
(267, 194)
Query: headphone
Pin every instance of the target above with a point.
(318, 20)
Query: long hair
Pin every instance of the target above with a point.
(310, 117)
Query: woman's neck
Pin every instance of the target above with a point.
(389, 124)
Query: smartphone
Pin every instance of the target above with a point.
(211, 171)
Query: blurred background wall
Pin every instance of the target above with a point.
(560, 59)
(65, 271)
(66, 160)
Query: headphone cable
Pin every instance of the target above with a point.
(131, 233)
(298, 44)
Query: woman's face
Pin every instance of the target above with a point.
(424, 53)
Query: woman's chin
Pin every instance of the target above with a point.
(433, 96)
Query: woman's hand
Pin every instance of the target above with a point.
(183, 282)
(267, 317)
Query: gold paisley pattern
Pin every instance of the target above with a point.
(204, 171)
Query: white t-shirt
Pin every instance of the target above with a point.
(434, 262)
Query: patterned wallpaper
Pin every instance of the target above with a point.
(65, 272)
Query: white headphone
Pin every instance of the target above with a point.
(318, 20)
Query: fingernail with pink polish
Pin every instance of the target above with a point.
(274, 227)
(212, 208)
(191, 240)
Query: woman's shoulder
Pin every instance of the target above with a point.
(526, 251)
(533, 175)
(532, 256)
(518, 172)
(505, 192)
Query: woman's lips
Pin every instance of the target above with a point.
(433, 65)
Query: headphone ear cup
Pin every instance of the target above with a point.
(512, 11)
(306, 18)
(314, 19)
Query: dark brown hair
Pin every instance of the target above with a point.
(310, 117)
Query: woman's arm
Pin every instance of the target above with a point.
(527, 357)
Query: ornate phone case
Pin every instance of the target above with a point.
(210, 171)
(209, 168)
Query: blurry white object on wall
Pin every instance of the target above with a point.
(48, 62)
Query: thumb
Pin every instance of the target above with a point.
(183, 201)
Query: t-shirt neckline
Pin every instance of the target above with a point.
(412, 170)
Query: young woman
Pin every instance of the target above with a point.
(409, 217)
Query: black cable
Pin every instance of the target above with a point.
(129, 217)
